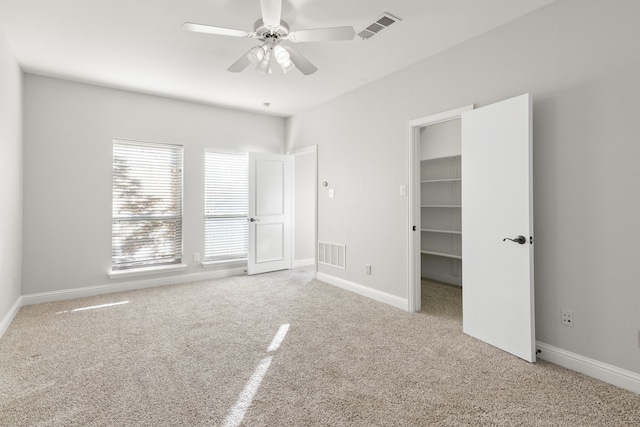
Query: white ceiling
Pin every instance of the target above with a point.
(139, 45)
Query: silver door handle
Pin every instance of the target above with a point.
(254, 220)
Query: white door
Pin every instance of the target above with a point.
(497, 204)
(269, 212)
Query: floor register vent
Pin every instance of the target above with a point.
(331, 254)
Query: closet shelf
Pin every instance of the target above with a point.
(442, 254)
(430, 181)
(435, 230)
(440, 159)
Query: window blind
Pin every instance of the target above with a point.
(226, 205)
(147, 204)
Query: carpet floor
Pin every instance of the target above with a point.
(279, 349)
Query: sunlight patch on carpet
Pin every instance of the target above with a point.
(236, 414)
(278, 338)
(93, 307)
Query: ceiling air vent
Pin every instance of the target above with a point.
(382, 22)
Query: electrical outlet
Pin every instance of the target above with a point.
(367, 268)
(567, 317)
(196, 257)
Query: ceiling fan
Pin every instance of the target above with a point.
(272, 31)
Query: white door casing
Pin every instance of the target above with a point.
(414, 297)
(269, 213)
(497, 203)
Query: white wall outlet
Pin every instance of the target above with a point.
(567, 317)
(196, 257)
(367, 268)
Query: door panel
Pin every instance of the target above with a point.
(269, 243)
(269, 213)
(497, 203)
(269, 181)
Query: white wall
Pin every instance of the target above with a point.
(10, 180)
(580, 62)
(304, 187)
(69, 128)
(441, 140)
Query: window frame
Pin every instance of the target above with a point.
(233, 257)
(173, 258)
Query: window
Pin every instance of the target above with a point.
(147, 205)
(226, 206)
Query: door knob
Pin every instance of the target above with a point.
(520, 240)
(254, 220)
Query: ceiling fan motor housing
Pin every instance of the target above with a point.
(263, 32)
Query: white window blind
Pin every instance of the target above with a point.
(147, 205)
(226, 205)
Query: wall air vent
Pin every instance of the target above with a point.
(331, 254)
(382, 22)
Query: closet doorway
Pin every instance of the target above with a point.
(476, 210)
(435, 181)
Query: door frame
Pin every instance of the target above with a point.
(414, 291)
(312, 149)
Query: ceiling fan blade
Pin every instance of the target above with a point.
(201, 28)
(271, 12)
(301, 62)
(242, 63)
(322, 34)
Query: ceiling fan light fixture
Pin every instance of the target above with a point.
(263, 66)
(287, 66)
(256, 54)
(283, 58)
(282, 55)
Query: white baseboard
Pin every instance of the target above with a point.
(593, 368)
(8, 318)
(457, 281)
(380, 296)
(303, 262)
(88, 291)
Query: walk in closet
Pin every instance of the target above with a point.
(440, 202)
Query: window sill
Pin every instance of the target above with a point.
(209, 264)
(116, 274)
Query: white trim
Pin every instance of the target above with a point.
(374, 294)
(145, 271)
(413, 191)
(311, 149)
(440, 117)
(304, 150)
(8, 318)
(236, 261)
(454, 281)
(602, 371)
(65, 294)
(303, 262)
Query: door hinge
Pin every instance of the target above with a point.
(414, 228)
(531, 240)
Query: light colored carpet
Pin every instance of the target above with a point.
(182, 355)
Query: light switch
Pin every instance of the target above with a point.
(332, 193)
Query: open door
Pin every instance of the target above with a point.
(497, 204)
(269, 213)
